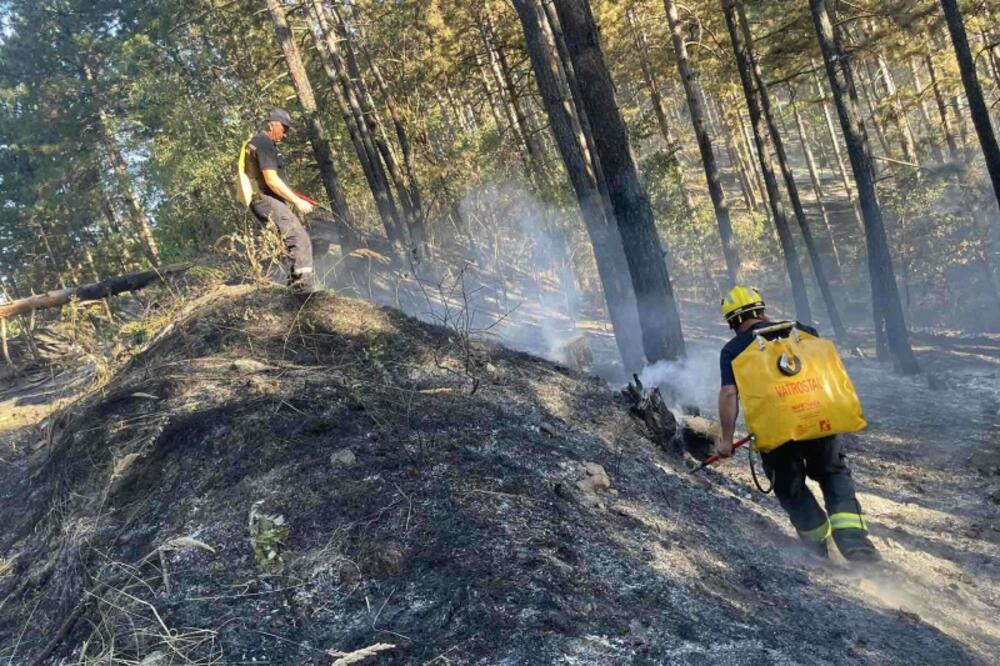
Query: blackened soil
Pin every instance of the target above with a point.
(444, 536)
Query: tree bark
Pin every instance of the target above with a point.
(800, 125)
(90, 292)
(942, 108)
(641, 43)
(973, 92)
(689, 78)
(736, 161)
(402, 136)
(786, 171)
(925, 116)
(318, 137)
(885, 294)
(555, 26)
(658, 315)
(897, 113)
(140, 220)
(411, 223)
(609, 255)
(799, 296)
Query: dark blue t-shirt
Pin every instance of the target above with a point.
(742, 340)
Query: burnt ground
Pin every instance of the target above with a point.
(462, 527)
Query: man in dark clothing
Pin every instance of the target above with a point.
(264, 166)
(789, 464)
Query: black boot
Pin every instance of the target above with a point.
(817, 549)
(855, 546)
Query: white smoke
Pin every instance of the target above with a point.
(692, 381)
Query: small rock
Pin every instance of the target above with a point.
(549, 429)
(343, 458)
(248, 365)
(595, 479)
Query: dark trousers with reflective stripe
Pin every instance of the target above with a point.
(823, 461)
(293, 234)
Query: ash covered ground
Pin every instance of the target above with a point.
(269, 481)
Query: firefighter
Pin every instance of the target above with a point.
(790, 463)
(269, 198)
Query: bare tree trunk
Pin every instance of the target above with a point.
(942, 108)
(919, 90)
(736, 160)
(689, 78)
(885, 294)
(802, 310)
(814, 179)
(751, 153)
(413, 224)
(658, 315)
(867, 87)
(973, 92)
(402, 136)
(649, 77)
(354, 118)
(963, 128)
(790, 185)
(609, 254)
(140, 220)
(318, 137)
(555, 26)
(897, 113)
(835, 143)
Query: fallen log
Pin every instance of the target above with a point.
(90, 292)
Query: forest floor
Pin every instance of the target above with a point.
(269, 480)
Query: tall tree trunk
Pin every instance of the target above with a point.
(973, 92)
(786, 171)
(736, 160)
(942, 108)
(350, 111)
(835, 144)
(799, 296)
(800, 125)
(402, 136)
(689, 78)
(751, 153)
(649, 77)
(658, 315)
(885, 294)
(919, 90)
(589, 144)
(897, 113)
(867, 87)
(413, 227)
(612, 265)
(140, 220)
(318, 137)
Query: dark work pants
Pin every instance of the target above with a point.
(823, 461)
(293, 234)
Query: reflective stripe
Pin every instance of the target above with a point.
(303, 271)
(848, 521)
(816, 535)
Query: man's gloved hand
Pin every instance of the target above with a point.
(303, 206)
(724, 447)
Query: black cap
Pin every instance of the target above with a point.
(279, 115)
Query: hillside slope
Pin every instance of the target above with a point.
(271, 480)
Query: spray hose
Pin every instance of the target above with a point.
(715, 457)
